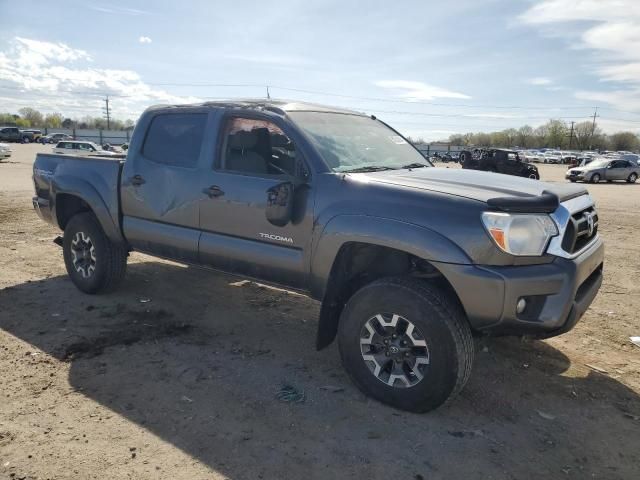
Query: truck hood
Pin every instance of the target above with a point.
(473, 184)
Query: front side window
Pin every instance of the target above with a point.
(352, 142)
(175, 139)
(257, 147)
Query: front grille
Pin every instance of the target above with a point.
(581, 229)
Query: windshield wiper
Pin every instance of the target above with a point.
(415, 165)
(368, 168)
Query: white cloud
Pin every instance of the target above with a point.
(610, 30)
(418, 91)
(56, 77)
(119, 10)
(540, 81)
(144, 39)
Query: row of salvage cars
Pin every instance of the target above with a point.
(606, 168)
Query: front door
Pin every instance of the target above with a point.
(255, 155)
(159, 193)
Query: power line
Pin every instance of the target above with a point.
(357, 97)
(339, 95)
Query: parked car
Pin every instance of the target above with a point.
(31, 135)
(82, 148)
(407, 259)
(551, 157)
(55, 138)
(5, 151)
(498, 161)
(604, 169)
(14, 134)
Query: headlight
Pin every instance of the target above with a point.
(520, 234)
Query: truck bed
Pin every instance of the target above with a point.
(76, 174)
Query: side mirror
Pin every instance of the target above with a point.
(280, 204)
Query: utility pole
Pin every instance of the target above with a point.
(593, 127)
(107, 112)
(571, 136)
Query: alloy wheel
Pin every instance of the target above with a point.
(83, 254)
(394, 350)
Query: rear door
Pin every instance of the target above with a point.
(618, 170)
(253, 156)
(159, 186)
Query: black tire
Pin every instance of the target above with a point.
(595, 178)
(438, 319)
(632, 178)
(572, 180)
(109, 261)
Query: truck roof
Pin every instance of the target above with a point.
(280, 107)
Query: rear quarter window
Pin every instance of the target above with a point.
(175, 139)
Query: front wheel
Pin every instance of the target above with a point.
(406, 343)
(94, 263)
(595, 178)
(632, 178)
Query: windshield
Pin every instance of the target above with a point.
(599, 163)
(351, 142)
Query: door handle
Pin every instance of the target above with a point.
(213, 191)
(137, 180)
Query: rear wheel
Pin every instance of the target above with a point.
(406, 343)
(632, 178)
(94, 263)
(595, 178)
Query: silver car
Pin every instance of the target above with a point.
(605, 169)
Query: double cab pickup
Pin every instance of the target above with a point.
(408, 261)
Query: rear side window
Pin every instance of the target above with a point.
(175, 139)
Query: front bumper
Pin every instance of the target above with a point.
(570, 176)
(557, 293)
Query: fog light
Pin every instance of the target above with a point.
(521, 305)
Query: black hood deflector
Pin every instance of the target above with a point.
(547, 202)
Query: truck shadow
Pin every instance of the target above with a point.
(198, 359)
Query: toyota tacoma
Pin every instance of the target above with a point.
(408, 261)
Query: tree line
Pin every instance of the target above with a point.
(32, 118)
(553, 134)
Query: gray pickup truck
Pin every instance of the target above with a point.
(409, 261)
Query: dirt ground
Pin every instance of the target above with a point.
(175, 376)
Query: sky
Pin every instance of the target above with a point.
(428, 68)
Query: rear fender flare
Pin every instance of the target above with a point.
(89, 194)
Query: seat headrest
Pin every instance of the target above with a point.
(243, 140)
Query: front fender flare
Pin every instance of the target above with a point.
(386, 232)
(340, 230)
